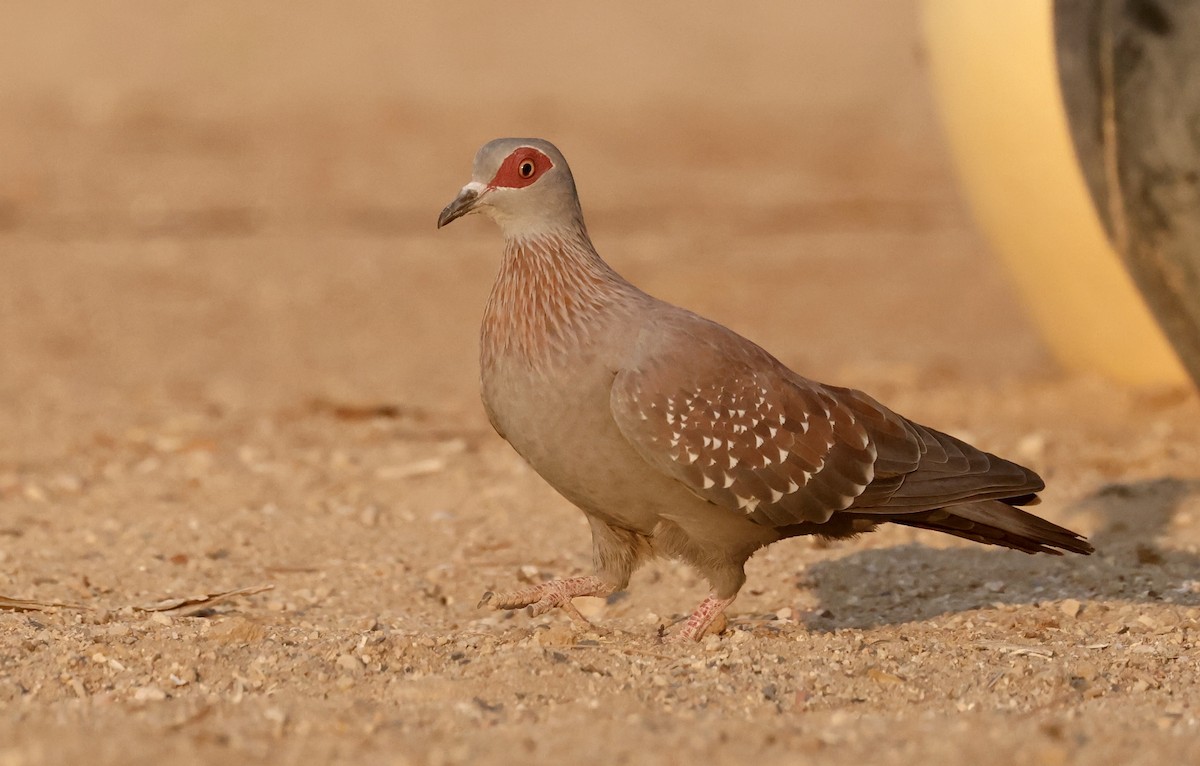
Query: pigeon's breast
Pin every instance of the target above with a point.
(558, 417)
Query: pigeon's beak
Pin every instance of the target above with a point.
(464, 203)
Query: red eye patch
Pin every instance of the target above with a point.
(521, 168)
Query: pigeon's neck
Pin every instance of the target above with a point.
(552, 296)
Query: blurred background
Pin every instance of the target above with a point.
(229, 207)
(235, 352)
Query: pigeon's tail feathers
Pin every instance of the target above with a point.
(995, 522)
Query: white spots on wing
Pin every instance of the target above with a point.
(723, 432)
(747, 504)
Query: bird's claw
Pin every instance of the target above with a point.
(708, 618)
(539, 599)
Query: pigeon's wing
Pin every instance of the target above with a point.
(742, 431)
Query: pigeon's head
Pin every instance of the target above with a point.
(523, 184)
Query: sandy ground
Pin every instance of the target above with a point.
(234, 354)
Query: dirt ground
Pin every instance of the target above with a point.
(248, 497)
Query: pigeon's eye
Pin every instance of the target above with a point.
(522, 167)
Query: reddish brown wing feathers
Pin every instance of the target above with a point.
(738, 443)
(745, 433)
(948, 470)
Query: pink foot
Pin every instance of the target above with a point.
(539, 599)
(704, 616)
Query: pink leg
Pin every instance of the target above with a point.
(539, 599)
(708, 611)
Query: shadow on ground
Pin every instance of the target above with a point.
(913, 583)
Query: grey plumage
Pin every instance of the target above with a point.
(678, 437)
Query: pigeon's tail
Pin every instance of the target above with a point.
(995, 522)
